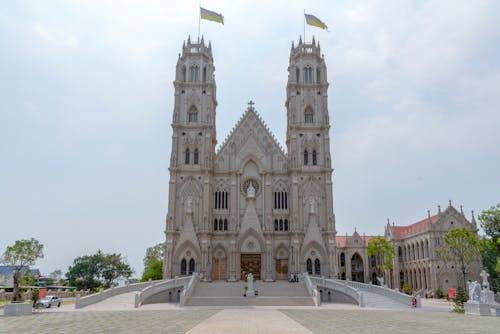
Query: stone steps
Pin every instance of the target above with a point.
(279, 293)
(378, 301)
(250, 301)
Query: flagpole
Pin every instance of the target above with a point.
(304, 26)
(199, 22)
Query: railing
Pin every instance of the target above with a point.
(188, 290)
(380, 290)
(104, 294)
(339, 286)
(159, 286)
(313, 292)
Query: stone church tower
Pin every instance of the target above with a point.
(251, 206)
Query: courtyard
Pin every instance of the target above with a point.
(322, 320)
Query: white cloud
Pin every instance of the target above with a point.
(55, 37)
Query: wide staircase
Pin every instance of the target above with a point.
(279, 293)
(378, 301)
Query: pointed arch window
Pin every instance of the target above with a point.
(187, 156)
(309, 266)
(195, 73)
(315, 158)
(184, 73)
(342, 259)
(191, 266)
(297, 75)
(216, 227)
(276, 226)
(195, 156)
(225, 224)
(193, 114)
(306, 158)
(285, 227)
(308, 75)
(204, 78)
(280, 200)
(318, 75)
(183, 267)
(309, 115)
(221, 199)
(317, 267)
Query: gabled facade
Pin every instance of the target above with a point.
(251, 206)
(417, 261)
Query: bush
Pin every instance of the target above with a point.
(406, 288)
(35, 296)
(439, 294)
(460, 300)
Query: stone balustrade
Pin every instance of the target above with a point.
(113, 291)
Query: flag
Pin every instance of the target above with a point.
(211, 16)
(314, 21)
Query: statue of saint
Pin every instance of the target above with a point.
(189, 205)
(250, 191)
(312, 209)
(474, 292)
(485, 284)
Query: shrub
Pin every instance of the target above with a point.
(406, 288)
(439, 294)
(460, 300)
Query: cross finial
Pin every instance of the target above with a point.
(250, 105)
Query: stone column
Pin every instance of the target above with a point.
(348, 265)
(232, 261)
(269, 259)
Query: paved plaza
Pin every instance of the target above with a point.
(261, 320)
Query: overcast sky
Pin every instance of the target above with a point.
(86, 101)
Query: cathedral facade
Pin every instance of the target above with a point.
(250, 206)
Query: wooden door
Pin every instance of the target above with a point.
(282, 269)
(250, 263)
(219, 270)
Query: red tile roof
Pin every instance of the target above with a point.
(342, 239)
(421, 226)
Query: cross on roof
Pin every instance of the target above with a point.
(250, 105)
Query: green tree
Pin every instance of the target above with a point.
(461, 248)
(154, 271)
(490, 244)
(383, 252)
(22, 253)
(100, 269)
(153, 263)
(490, 222)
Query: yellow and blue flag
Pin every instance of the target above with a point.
(314, 21)
(211, 16)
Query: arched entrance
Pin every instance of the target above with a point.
(281, 263)
(250, 263)
(219, 264)
(357, 268)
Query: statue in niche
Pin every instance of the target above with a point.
(250, 191)
(189, 204)
(312, 208)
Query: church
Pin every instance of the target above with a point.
(250, 206)
(253, 207)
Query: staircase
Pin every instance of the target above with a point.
(378, 301)
(279, 293)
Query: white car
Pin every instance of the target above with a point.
(49, 301)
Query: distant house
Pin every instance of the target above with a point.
(7, 272)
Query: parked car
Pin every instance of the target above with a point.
(49, 301)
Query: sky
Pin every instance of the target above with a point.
(86, 102)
